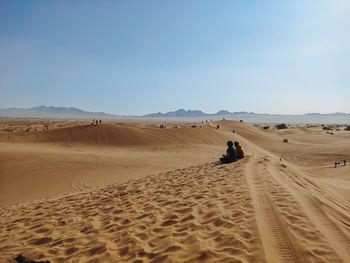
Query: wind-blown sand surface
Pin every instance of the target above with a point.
(285, 202)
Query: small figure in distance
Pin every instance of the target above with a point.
(231, 154)
(239, 150)
(344, 162)
(100, 121)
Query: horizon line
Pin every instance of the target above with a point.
(156, 112)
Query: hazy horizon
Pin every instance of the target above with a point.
(136, 58)
(174, 110)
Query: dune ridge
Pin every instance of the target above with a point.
(123, 135)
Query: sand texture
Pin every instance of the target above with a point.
(285, 202)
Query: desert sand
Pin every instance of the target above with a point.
(132, 192)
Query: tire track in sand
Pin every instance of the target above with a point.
(314, 208)
(278, 246)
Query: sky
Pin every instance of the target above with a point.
(139, 57)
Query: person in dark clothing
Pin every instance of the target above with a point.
(231, 154)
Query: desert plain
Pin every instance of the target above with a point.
(72, 191)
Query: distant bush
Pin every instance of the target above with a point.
(266, 127)
(347, 128)
(285, 140)
(328, 128)
(281, 126)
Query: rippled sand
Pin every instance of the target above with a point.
(285, 202)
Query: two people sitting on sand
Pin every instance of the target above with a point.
(232, 153)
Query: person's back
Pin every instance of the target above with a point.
(232, 154)
(239, 149)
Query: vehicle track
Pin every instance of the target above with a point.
(276, 239)
(173, 137)
(315, 208)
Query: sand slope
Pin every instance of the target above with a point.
(65, 159)
(259, 209)
(122, 135)
(251, 211)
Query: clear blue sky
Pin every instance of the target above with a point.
(136, 57)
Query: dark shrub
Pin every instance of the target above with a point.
(281, 126)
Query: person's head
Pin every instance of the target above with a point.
(230, 144)
(236, 144)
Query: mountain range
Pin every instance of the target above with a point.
(53, 112)
(71, 112)
(194, 113)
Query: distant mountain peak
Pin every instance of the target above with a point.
(223, 112)
(178, 113)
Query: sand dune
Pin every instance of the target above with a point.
(70, 158)
(263, 208)
(123, 135)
